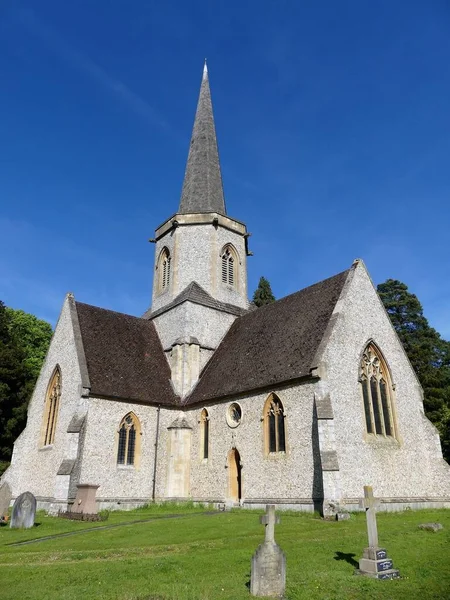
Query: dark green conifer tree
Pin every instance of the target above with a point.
(428, 352)
(263, 294)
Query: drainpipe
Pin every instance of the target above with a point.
(156, 453)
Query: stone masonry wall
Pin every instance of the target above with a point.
(34, 468)
(193, 320)
(408, 467)
(289, 477)
(195, 253)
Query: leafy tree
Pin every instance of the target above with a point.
(263, 294)
(23, 343)
(33, 335)
(428, 352)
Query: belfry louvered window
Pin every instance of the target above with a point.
(129, 430)
(164, 270)
(51, 409)
(376, 393)
(228, 267)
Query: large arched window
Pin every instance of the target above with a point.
(376, 392)
(128, 448)
(229, 261)
(164, 270)
(204, 434)
(274, 425)
(51, 408)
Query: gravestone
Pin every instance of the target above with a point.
(5, 499)
(24, 511)
(268, 576)
(375, 562)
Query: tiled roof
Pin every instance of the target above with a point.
(196, 294)
(271, 345)
(124, 356)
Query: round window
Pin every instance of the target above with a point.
(234, 414)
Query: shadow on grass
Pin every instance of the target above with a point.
(247, 583)
(347, 557)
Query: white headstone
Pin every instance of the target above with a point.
(24, 511)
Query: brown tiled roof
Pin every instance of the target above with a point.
(271, 345)
(124, 356)
(196, 294)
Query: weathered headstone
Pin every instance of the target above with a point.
(337, 512)
(24, 511)
(268, 576)
(431, 527)
(5, 499)
(85, 500)
(375, 562)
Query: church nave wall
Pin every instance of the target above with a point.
(408, 463)
(287, 475)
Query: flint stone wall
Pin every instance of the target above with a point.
(33, 468)
(410, 467)
(195, 253)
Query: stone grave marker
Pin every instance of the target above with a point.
(375, 562)
(268, 577)
(85, 500)
(24, 511)
(5, 499)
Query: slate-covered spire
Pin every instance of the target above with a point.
(202, 186)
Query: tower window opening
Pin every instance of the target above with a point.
(228, 267)
(164, 270)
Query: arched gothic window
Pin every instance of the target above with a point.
(164, 270)
(274, 425)
(51, 408)
(376, 392)
(204, 434)
(228, 265)
(129, 440)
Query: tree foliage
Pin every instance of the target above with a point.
(24, 341)
(428, 352)
(263, 294)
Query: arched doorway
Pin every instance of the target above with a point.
(234, 476)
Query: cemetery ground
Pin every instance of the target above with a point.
(192, 556)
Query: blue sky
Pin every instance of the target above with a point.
(333, 124)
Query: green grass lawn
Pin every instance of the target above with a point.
(207, 557)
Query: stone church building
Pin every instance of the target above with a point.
(300, 403)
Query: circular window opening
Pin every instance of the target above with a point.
(234, 414)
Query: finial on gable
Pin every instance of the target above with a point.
(205, 70)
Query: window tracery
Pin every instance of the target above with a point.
(128, 441)
(376, 392)
(51, 408)
(274, 425)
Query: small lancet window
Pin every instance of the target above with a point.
(274, 426)
(164, 270)
(51, 408)
(228, 267)
(204, 434)
(127, 449)
(376, 392)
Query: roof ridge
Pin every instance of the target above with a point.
(116, 312)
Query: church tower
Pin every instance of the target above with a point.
(200, 274)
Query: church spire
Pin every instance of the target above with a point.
(202, 187)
